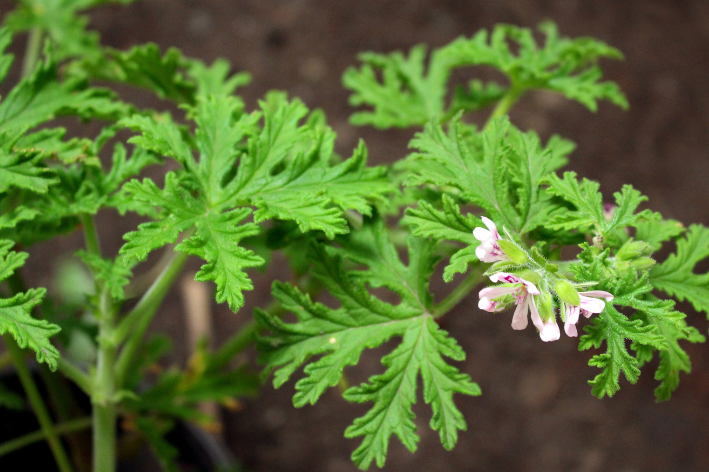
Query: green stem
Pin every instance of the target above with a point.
(505, 103)
(40, 409)
(31, 438)
(104, 386)
(90, 235)
(34, 46)
(76, 375)
(135, 324)
(103, 399)
(458, 293)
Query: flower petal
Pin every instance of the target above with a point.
(536, 319)
(531, 288)
(505, 277)
(491, 226)
(592, 305)
(572, 317)
(550, 330)
(598, 294)
(494, 292)
(482, 234)
(519, 320)
(487, 305)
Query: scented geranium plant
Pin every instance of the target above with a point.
(488, 202)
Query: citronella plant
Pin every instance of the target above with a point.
(486, 202)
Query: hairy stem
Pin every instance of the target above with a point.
(104, 386)
(38, 405)
(459, 293)
(34, 46)
(31, 438)
(135, 324)
(505, 103)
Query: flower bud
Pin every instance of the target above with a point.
(643, 263)
(633, 249)
(567, 293)
(513, 251)
(530, 275)
(546, 265)
(544, 305)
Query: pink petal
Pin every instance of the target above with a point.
(572, 317)
(599, 294)
(494, 292)
(504, 277)
(485, 250)
(531, 288)
(536, 319)
(519, 320)
(491, 226)
(592, 305)
(550, 330)
(487, 304)
(481, 234)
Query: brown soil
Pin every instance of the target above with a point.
(536, 412)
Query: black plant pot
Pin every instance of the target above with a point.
(198, 450)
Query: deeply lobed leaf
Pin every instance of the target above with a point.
(364, 321)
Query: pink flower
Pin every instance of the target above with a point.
(590, 303)
(523, 291)
(550, 330)
(489, 249)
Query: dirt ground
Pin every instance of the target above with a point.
(536, 412)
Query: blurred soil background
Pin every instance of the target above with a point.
(536, 412)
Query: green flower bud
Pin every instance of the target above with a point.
(643, 263)
(567, 293)
(634, 249)
(544, 305)
(513, 251)
(538, 258)
(530, 275)
(546, 265)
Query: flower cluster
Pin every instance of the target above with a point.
(528, 297)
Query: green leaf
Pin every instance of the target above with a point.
(676, 274)
(673, 360)
(408, 91)
(21, 170)
(142, 66)
(363, 321)
(449, 224)
(657, 326)
(42, 97)
(283, 168)
(15, 312)
(655, 232)
(477, 96)
(60, 20)
(408, 95)
(499, 169)
(587, 199)
(215, 79)
(112, 272)
(567, 66)
(217, 241)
